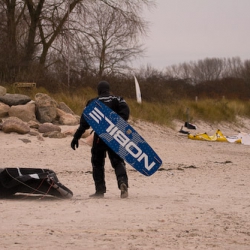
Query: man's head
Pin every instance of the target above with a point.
(103, 88)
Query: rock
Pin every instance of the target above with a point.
(24, 112)
(66, 118)
(70, 132)
(48, 127)
(40, 138)
(33, 124)
(4, 110)
(2, 91)
(15, 99)
(89, 140)
(87, 133)
(63, 106)
(14, 124)
(25, 140)
(54, 134)
(45, 108)
(33, 133)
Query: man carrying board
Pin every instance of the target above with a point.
(99, 148)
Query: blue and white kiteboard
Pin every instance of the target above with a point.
(122, 138)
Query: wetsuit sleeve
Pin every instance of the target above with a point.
(123, 109)
(82, 127)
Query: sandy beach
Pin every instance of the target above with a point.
(199, 199)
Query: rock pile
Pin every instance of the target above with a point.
(20, 114)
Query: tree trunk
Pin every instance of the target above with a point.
(34, 20)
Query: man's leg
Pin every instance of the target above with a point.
(120, 171)
(98, 161)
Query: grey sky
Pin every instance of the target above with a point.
(189, 30)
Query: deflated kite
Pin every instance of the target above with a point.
(33, 181)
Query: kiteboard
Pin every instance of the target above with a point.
(122, 138)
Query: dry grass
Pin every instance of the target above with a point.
(209, 110)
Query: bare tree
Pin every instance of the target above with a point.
(208, 69)
(149, 72)
(11, 27)
(203, 70)
(246, 72)
(111, 37)
(181, 71)
(46, 30)
(234, 67)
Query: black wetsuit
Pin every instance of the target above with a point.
(100, 149)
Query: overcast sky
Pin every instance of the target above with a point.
(189, 30)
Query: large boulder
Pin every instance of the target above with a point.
(15, 99)
(14, 124)
(24, 112)
(4, 110)
(63, 106)
(2, 91)
(67, 118)
(45, 108)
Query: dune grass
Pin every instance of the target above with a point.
(76, 101)
(209, 110)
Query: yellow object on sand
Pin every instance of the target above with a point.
(218, 136)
